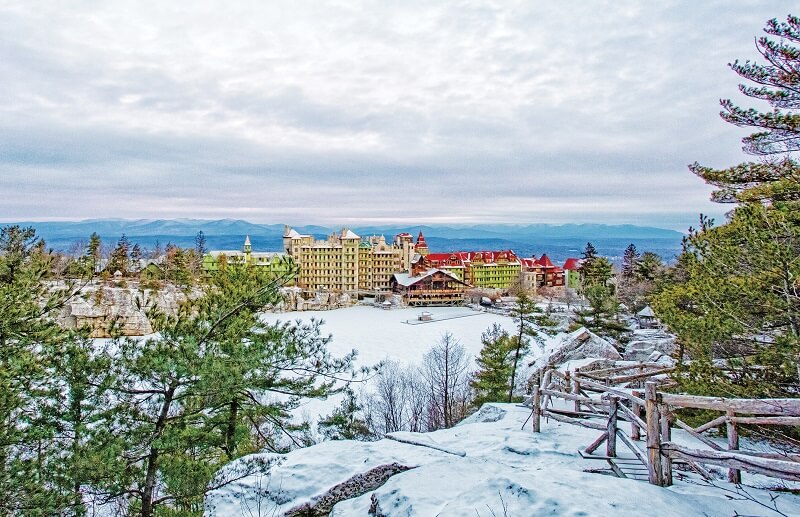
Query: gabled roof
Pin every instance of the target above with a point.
(292, 234)
(572, 264)
(544, 261)
(647, 312)
(348, 234)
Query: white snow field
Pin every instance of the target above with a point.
(485, 466)
(379, 334)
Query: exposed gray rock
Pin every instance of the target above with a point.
(646, 342)
(356, 486)
(581, 344)
(103, 306)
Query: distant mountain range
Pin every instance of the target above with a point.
(558, 241)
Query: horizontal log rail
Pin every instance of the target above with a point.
(787, 407)
(572, 396)
(616, 369)
(576, 421)
(639, 376)
(769, 467)
(596, 386)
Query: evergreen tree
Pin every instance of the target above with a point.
(27, 330)
(118, 261)
(594, 269)
(778, 130)
(199, 393)
(200, 244)
(649, 267)
(94, 252)
(734, 295)
(492, 381)
(344, 423)
(532, 324)
(601, 317)
(630, 261)
(589, 252)
(136, 256)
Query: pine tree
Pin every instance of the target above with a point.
(200, 243)
(344, 422)
(198, 394)
(492, 381)
(601, 317)
(649, 267)
(593, 269)
(630, 260)
(532, 324)
(93, 252)
(136, 256)
(27, 330)
(118, 261)
(778, 130)
(734, 295)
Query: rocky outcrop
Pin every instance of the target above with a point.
(581, 344)
(356, 486)
(293, 300)
(103, 307)
(649, 343)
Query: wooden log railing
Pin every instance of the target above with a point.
(655, 425)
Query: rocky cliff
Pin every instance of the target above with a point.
(101, 306)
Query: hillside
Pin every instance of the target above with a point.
(487, 465)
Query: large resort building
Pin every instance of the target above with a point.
(346, 263)
(349, 264)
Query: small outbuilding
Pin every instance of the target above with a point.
(647, 318)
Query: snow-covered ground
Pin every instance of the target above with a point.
(485, 466)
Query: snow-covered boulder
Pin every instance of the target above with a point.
(580, 344)
(645, 342)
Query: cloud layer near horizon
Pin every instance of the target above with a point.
(438, 112)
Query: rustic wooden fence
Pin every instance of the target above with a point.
(596, 400)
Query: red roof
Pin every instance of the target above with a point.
(572, 264)
(544, 261)
(420, 241)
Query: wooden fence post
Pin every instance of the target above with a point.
(666, 436)
(548, 376)
(567, 381)
(637, 410)
(611, 444)
(655, 473)
(536, 410)
(734, 475)
(576, 388)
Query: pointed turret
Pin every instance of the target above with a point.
(421, 246)
(247, 249)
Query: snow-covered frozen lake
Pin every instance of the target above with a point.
(380, 334)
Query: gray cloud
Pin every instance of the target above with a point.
(376, 111)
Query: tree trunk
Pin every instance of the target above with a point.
(148, 491)
(230, 434)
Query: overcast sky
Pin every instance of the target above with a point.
(369, 112)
